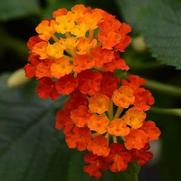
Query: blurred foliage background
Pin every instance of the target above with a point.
(30, 148)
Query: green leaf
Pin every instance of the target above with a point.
(16, 8)
(30, 147)
(160, 23)
(75, 172)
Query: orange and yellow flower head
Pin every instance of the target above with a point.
(75, 53)
(74, 41)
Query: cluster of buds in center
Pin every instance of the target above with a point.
(76, 53)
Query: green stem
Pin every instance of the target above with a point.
(110, 111)
(118, 113)
(167, 111)
(165, 88)
(158, 86)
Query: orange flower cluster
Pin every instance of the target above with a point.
(77, 40)
(76, 53)
(96, 118)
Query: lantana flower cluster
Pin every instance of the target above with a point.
(76, 53)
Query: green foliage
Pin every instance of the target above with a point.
(160, 24)
(16, 8)
(169, 164)
(30, 149)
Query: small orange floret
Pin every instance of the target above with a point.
(32, 41)
(76, 99)
(55, 50)
(89, 82)
(46, 89)
(153, 132)
(98, 123)
(134, 81)
(78, 138)
(40, 49)
(80, 116)
(43, 69)
(29, 70)
(62, 119)
(141, 156)
(66, 85)
(137, 139)
(99, 103)
(119, 158)
(45, 29)
(99, 146)
(108, 84)
(102, 56)
(118, 127)
(94, 165)
(85, 45)
(61, 67)
(82, 62)
(143, 99)
(123, 97)
(60, 12)
(134, 118)
(116, 64)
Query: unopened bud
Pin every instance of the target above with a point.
(17, 78)
(139, 44)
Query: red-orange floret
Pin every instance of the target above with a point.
(143, 99)
(134, 117)
(102, 56)
(63, 121)
(98, 123)
(123, 97)
(99, 146)
(89, 82)
(152, 131)
(108, 84)
(116, 64)
(141, 156)
(83, 62)
(80, 116)
(43, 69)
(31, 66)
(137, 139)
(75, 100)
(118, 127)
(79, 138)
(46, 89)
(99, 103)
(119, 158)
(32, 41)
(66, 85)
(60, 12)
(94, 165)
(29, 70)
(133, 81)
(113, 33)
